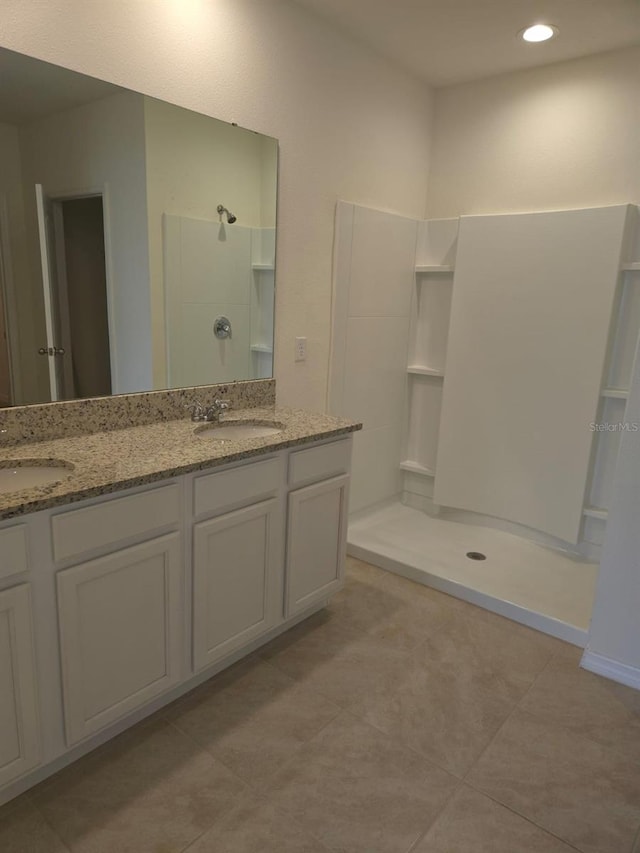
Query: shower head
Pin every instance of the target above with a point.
(230, 217)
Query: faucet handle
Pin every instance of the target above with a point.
(215, 410)
(197, 410)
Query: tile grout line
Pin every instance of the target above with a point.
(478, 790)
(49, 825)
(437, 817)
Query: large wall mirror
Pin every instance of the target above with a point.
(137, 241)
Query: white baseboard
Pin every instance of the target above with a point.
(613, 669)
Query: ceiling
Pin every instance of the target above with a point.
(452, 41)
(32, 89)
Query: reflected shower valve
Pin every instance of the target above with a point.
(222, 328)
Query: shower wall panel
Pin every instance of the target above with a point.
(374, 257)
(532, 302)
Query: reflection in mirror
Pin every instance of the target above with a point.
(137, 241)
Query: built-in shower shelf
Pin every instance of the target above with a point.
(634, 266)
(262, 267)
(595, 512)
(261, 348)
(416, 468)
(615, 393)
(419, 370)
(437, 268)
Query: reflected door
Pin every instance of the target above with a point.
(52, 349)
(72, 250)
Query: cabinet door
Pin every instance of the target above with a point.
(316, 543)
(235, 575)
(19, 727)
(120, 632)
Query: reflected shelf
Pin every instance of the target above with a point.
(419, 370)
(437, 268)
(615, 393)
(261, 348)
(262, 267)
(595, 512)
(633, 266)
(416, 468)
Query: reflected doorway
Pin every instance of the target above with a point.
(75, 295)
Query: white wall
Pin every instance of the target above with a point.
(86, 148)
(12, 207)
(562, 136)
(349, 124)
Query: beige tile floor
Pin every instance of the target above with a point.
(397, 720)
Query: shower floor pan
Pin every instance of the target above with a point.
(519, 579)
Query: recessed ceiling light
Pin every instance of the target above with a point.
(539, 32)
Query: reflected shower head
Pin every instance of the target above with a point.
(230, 217)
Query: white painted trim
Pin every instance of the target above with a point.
(8, 295)
(45, 262)
(109, 281)
(623, 673)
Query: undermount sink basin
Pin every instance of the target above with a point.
(238, 430)
(18, 474)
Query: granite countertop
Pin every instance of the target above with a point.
(105, 462)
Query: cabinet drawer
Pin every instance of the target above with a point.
(234, 488)
(319, 463)
(13, 550)
(82, 530)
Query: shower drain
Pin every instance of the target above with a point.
(476, 555)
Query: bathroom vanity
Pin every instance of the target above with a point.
(162, 558)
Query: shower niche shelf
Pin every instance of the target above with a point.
(426, 269)
(428, 333)
(263, 252)
(421, 370)
(614, 395)
(595, 512)
(416, 468)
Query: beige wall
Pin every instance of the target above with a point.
(100, 146)
(562, 136)
(350, 125)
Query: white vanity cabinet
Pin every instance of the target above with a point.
(140, 595)
(316, 525)
(120, 615)
(237, 559)
(19, 725)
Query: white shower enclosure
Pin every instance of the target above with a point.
(489, 358)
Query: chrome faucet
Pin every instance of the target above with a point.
(216, 410)
(209, 414)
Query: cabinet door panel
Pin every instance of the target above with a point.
(235, 558)
(120, 632)
(19, 728)
(316, 543)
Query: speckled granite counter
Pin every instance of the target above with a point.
(106, 462)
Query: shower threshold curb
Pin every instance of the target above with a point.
(516, 612)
